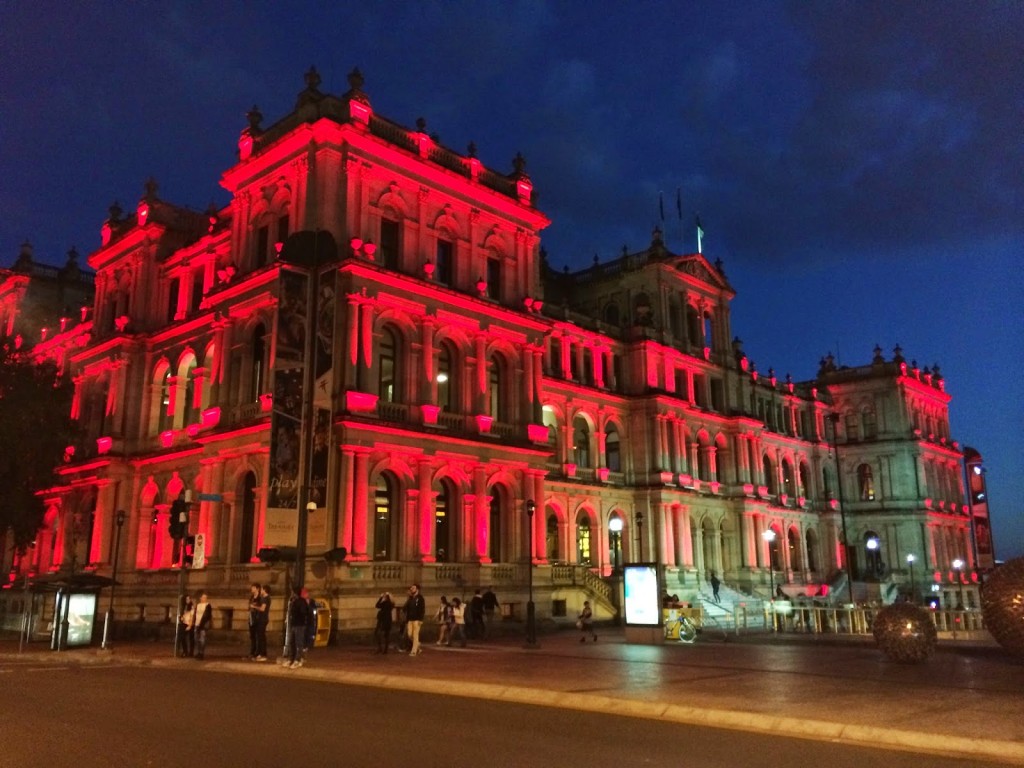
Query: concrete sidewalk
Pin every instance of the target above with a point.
(966, 700)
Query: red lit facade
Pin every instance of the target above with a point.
(459, 377)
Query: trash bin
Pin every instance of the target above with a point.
(322, 622)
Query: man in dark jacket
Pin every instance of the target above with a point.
(298, 618)
(415, 608)
(204, 619)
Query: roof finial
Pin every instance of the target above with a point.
(151, 188)
(312, 78)
(255, 117)
(519, 166)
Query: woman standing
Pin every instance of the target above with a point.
(458, 625)
(187, 621)
(443, 617)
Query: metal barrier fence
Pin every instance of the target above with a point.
(856, 620)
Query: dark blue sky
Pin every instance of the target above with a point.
(858, 167)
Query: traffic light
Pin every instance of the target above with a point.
(178, 524)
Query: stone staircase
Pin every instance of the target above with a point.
(733, 610)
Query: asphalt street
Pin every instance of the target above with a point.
(115, 715)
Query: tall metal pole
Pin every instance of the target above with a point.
(531, 616)
(913, 587)
(108, 621)
(308, 428)
(640, 533)
(834, 418)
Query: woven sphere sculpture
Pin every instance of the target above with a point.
(905, 632)
(1002, 605)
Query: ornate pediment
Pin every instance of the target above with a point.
(698, 267)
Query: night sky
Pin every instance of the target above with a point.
(858, 167)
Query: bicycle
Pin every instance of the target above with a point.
(681, 628)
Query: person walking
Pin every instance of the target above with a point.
(254, 616)
(382, 631)
(715, 584)
(262, 620)
(203, 621)
(415, 608)
(458, 623)
(475, 624)
(443, 617)
(298, 618)
(585, 623)
(187, 632)
(490, 604)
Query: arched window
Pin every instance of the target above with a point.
(865, 483)
(445, 384)
(581, 442)
(583, 550)
(387, 367)
(812, 551)
(384, 505)
(495, 548)
(390, 243)
(788, 479)
(443, 523)
(805, 479)
(615, 526)
(553, 546)
(793, 541)
(612, 457)
(190, 411)
(246, 544)
(703, 462)
(769, 475)
(166, 420)
(775, 551)
(497, 402)
(258, 357)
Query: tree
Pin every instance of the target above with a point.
(35, 428)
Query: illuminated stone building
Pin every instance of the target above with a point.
(455, 377)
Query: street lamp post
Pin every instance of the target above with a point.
(834, 419)
(913, 588)
(769, 537)
(531, 615)
(872, 545)
(108, 620)
(640, 533)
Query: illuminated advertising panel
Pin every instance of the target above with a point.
(641, 593)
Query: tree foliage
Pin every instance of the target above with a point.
(35, 428)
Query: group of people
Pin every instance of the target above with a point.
(456, 620)
(194, 622)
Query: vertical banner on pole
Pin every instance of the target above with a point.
(286, 419)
